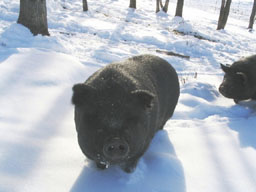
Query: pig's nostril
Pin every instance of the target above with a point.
(115, 149)
(121, 147)
(111, 148)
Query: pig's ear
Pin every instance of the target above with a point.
(225, 68)
(144, 97)
(81, 93)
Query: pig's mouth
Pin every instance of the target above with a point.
(225, 92)
(106, 162)
(101, 160)
(231, 93)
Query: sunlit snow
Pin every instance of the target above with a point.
(208, 146)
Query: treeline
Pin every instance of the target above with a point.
(33, 14)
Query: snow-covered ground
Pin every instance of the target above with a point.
(208, 146)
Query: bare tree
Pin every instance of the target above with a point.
(132, 4)
(33, 15)
(158, 5)
(224, 12)
(179, 8)
(252, 18)
(85, 5)
(164, 7)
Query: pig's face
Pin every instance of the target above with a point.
(235, 85)
(111, 125)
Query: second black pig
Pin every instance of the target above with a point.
(239, 81)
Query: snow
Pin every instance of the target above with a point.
(208, 145)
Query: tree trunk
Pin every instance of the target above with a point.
(33, 15)
(85, 5)
(252, 18)
(132, 4)
(224, 12)
(179, 8)
(165, 8)
(157, 6)
(221, 13)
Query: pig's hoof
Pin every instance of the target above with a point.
(129, 169)
(101, 165)
(236, 101)
(130, 166)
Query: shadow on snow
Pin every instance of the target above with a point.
(20, 157)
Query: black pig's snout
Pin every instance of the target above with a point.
(116, 149)
(224, 91)
(221, 89)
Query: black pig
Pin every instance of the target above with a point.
(239, 82)
(121, 106)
